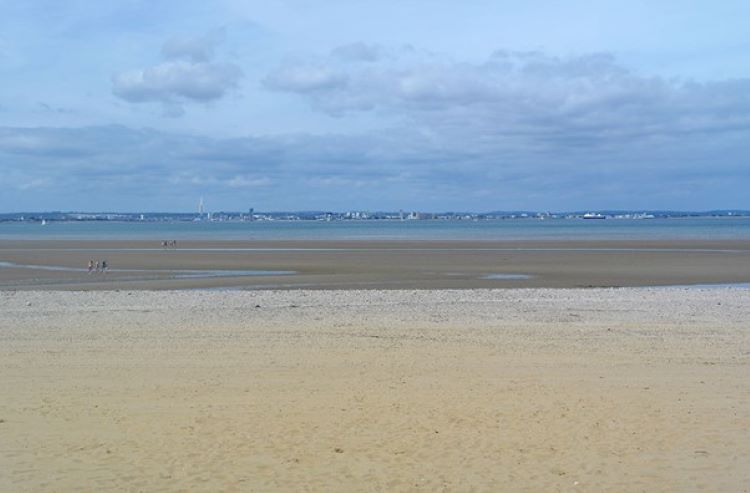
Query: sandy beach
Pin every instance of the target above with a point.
(452, 390)
(374, 246)
(364, 264)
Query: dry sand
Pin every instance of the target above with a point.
(374, 264)
(469, 390)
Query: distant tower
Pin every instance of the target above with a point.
(201, 207)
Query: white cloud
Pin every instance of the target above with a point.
(176, 81)
(216, 180)
(242, 181)
(527, 130)
(34, 184)
(305, 79)
(194, 48)
(589, 98)
(188, 75)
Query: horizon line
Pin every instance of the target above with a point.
(387, 211)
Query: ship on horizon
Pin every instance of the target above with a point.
(594, 215)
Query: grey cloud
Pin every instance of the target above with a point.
(45, 142)
(49, 108)
(114, 163)
(358, 52)
(394, 168)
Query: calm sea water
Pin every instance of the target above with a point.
(512, 229)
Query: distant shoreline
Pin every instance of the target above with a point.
(356, 215)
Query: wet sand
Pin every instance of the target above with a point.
(371, 264)
(469, 390)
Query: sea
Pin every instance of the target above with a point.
(723, 228)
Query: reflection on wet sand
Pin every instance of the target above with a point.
(286, 264)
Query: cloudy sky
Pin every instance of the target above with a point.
(348, 104)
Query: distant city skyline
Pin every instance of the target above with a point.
(206, 214)
(416, 105)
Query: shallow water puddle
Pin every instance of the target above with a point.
(504, 276)
(178, 274)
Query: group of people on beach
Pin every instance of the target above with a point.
(169, 244)
(97, 266)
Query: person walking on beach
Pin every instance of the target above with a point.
(104, 266)
(96, 266)
(91, 266)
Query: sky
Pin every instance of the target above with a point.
(374, 105)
